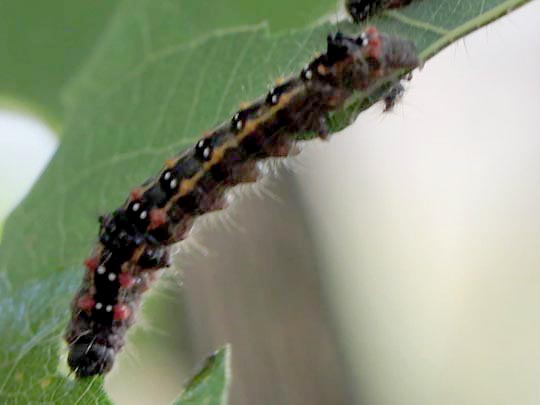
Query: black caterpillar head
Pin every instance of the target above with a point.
(90, 358)
(339, 47)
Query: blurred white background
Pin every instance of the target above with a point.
(430, 225)
(26, 145)
(428, 221)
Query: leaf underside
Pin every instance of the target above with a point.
(160, 75)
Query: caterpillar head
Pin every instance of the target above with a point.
(90, 358)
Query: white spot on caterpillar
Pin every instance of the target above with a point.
(136, 207)
(173, 184)
(112, 276)
(108, 308)
(364, 38)
(101, 270)
(206, 152)
(99, 305)
(143, 215)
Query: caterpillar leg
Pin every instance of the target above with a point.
(321, 127)
(393, 96)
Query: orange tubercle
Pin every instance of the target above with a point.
(170, 163)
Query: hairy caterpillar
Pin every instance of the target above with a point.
(134, 239)
(363, 9)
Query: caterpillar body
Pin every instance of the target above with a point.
(360, 10)
(134, 239)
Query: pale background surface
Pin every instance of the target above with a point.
(26, 145)
(427, 225)
(431, 227)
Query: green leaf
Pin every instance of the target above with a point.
(42, 45)
(210, 385)
(162, 73)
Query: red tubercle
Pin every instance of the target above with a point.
(86, 302)
(92, 263)
(126, 280)
(158, 217)
(121, 312)
(136, 194)
(372, 31)
(374, 42)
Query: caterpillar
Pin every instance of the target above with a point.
(134, 240)
(360, 10)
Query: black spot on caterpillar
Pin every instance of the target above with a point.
(360, 10)
(134, 239)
